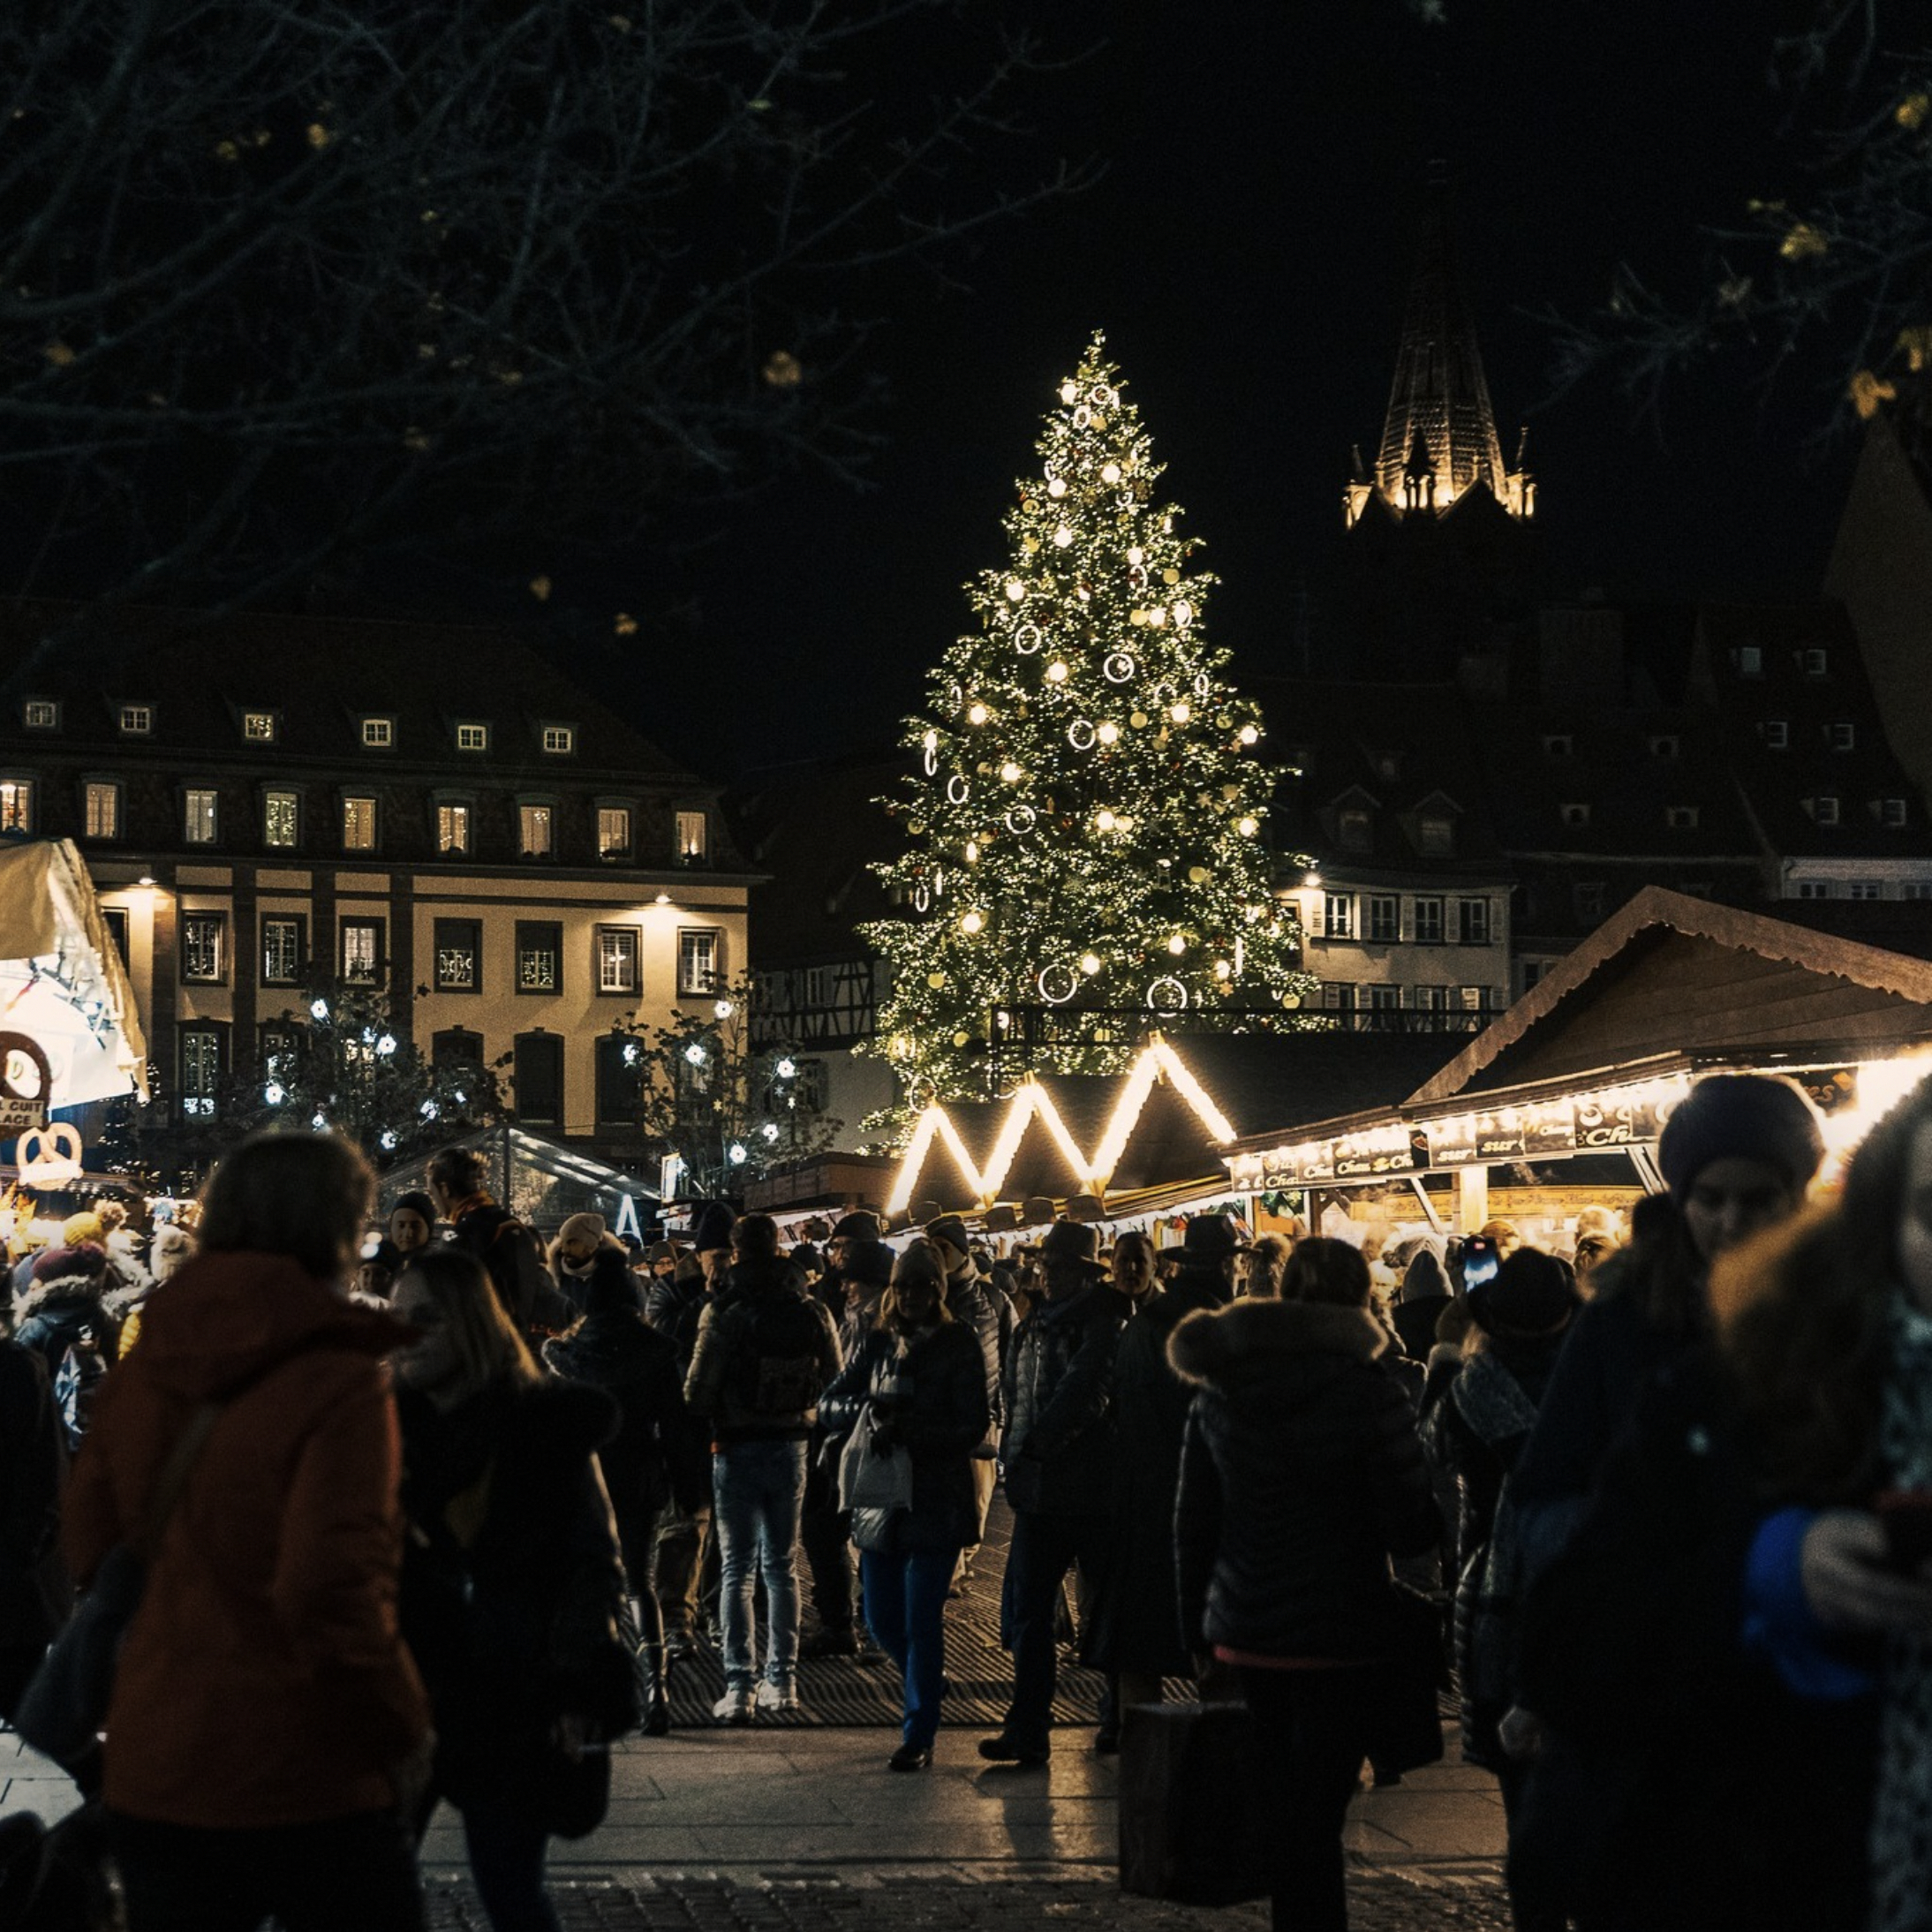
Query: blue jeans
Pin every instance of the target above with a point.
(759, 1489)
(905, 1609)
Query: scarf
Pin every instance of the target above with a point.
(1901, 1839)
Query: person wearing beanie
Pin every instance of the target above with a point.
(1421, 1297)
(67, 1305)
(1736, 1156)
(581, 1239)
(413, 1222)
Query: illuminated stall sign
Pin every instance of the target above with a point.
(1452, 1144)
(25, 1081)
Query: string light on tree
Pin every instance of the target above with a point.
(1128, 843)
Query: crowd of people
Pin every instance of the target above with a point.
(457, 1506)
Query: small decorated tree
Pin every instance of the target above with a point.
(1087, 831)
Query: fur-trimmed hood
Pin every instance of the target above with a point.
(1212, 1348)
(79, 1291)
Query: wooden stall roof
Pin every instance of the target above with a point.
(1677, 976)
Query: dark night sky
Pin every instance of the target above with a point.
(1247, 253)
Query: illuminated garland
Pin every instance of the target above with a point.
(1087, 826)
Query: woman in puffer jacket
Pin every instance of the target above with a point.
(917, 1382)
(1301, 1472)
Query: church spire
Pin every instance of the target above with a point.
(1439, 440)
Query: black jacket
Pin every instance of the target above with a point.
(1300, 1472)
(974, 1301)
(937, 1409)
(1136, 1613)
(713, 1385)
(1059, 1404)
(675, 1304)
(657, 1451)
(32, 1457)
(51, 1315)
(511, 1582)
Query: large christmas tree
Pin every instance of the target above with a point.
(1086, 853)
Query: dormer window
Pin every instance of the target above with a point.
(472, 737)
(41, 714)
(1666, 744)
(1891, 813)
(378, 734)
(1435, 836)
(1680, 818)
(1559, 744)
(560, 740)
(691, 841)
(1813, 663)
(1354, 828)
(1574, 814)
(136, 720)
(1776, 734)
(1841, 737)
(1824, 810)
(259, 726)
(1749, 661)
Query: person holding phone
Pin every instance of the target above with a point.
(1746, 1610)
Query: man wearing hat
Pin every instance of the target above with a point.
(674, 1306)
(1059, 1398)
(970, 1298)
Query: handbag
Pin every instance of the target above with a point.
(576, 1790)
(870, 1477)
(65, 1708)
(1192, 1821)
(1405, 1712)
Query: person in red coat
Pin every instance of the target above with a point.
(267, 1725)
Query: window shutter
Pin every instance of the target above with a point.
(1317, 916)
(1405, 920)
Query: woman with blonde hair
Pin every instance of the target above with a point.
(1267, 1262)
(513, 1591)
(917, 1382)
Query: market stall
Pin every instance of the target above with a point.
(544, 1183)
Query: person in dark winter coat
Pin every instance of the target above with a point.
(1059, 1469)
(1477, 1413)
(1736, 1156)
(765, 1350)
(916, 1383)
(1137, 1638)
(1735, 1621)
(1301, 1474)
(67, 1305)
(674, 1305)
(1421, 1297)
(512, 1590)
(973, 1299)
(657, 1452)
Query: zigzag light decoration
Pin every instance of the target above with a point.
(1157, 1060)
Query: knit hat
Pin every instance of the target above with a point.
(950, 1229)
(1425, 1277)
(417, 1203)
(1530, 1293)
(712, 1227)
(663, 1250)
(861, 1225)
(84, 1227)
(587, 1228)
(84, 1261)
(1740, 1117)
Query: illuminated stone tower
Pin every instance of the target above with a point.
(1437, 526)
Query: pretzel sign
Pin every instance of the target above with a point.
(49, 1156)
(25, 1080)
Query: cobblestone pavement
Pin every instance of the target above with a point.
(981, 1899)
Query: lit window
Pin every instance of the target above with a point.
(453, 829)
(472, 737)
(358, 825)
(1341, 916)
(690, 837)
(1843, 737)
(616, 959)
(41, 714)
(1384, 918)
(1776, 734)
(281, 819)
(459, 956)
(281, 950)
(1475, 922)
(203, 947)
(1825, 809)
(197, 817)
(1750, 661)
(379, 733)
(1435, 838)
(696, 960)
(1892, 812)
(1470, 999)
(258, 727)
(536, 826)
(103, 816)
(201, 1070)
(136, 721)
(1574, 814)
(16, 804)
(1428, 922)
(539, 957)
(1680, 818)
(559, 738)
(613, 831)
(362, 951)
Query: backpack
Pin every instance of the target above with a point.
(775, 1355)
(76, 1382)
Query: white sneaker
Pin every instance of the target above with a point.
(777, 1697)
(735, 1707)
